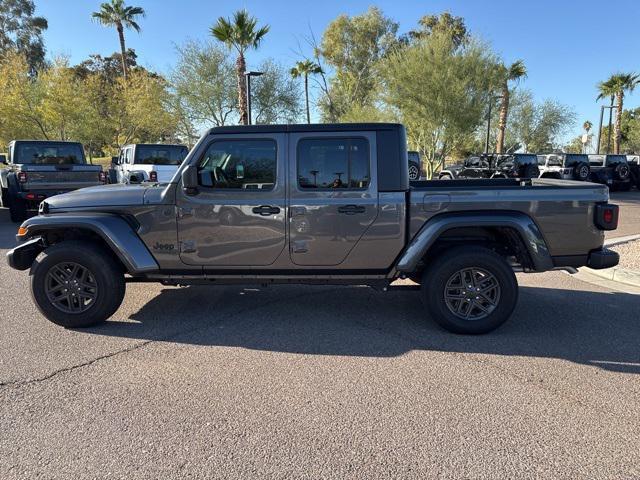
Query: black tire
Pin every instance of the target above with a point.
(17, 209)
(490, 267)
(622, 171)
(581, 172)
(4, 198)
(104, 274)
(531, 171)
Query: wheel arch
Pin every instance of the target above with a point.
(514, 230)
(114, 233)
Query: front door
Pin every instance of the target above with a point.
(333, 195)
(237, 217)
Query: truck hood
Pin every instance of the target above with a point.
(116, 195)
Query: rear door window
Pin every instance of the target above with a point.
(333, 163)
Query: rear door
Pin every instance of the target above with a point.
(333, 195)
(237, 218)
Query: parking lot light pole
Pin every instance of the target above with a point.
(602, 108)
(248, 76)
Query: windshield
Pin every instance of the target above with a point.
(48, 154)
(160, 154)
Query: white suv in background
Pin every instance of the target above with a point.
(566, 166)
(146, 162)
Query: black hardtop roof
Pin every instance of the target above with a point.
(303, 127)
(56, 142)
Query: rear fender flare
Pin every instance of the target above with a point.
(115, 231)
(527, 230)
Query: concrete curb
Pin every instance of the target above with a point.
(616, 274)
(612, 242)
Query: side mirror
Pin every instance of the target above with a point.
(3, 159)
(190, 180)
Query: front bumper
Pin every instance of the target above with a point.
(22, 256)
(603, 258)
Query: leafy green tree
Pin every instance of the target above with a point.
(440, 93)
(616, 86)
(241, 33)
(116, 14)
(276, 96)
(21, 31)
(442, 24)
(513, 73)
(203, 81)
(353, 47)
(304, 69)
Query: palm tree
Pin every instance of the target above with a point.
(305, 69)
(241, 33)
(513, 73)
(616, 86)
(587, 126)
(117, 14)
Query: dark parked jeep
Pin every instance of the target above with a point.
(611, 170)
(634, 166)
(516, 165)
(477, 166)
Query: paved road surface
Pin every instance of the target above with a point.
(629, 222)
(320, 382)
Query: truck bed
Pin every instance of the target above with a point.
(560, 205)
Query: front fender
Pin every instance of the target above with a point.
(114, 230)
(435, 227)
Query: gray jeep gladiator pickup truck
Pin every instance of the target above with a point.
(322, 204)
(37, 169)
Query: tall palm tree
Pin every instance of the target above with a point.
(304, 69)
(242, 34)
(616, 86)
(116, 14)
(514, 73)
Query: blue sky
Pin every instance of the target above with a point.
(565, 44)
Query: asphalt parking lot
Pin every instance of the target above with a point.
(322, 382)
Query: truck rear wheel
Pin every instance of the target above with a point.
(76, 284)
(469, 290)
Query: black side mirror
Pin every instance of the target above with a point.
(3, 159)
(190, 180)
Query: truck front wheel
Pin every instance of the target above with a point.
(76, 284)
(469, 290)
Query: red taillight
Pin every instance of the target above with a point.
(30, 196)
(22, 177)
(607, 216)
(102, 177)
(153, 176)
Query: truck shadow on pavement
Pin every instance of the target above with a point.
(590, 328)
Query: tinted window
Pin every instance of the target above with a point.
(243, 164)
(48, 154)
(160, 154)
(555, 161)
(333, 163)
(526, 158)
(616, 159)
(573, 159)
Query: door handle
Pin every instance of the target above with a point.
(351, 209)
(266, 210)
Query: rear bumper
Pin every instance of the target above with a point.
(603, 258)
(597, 259)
